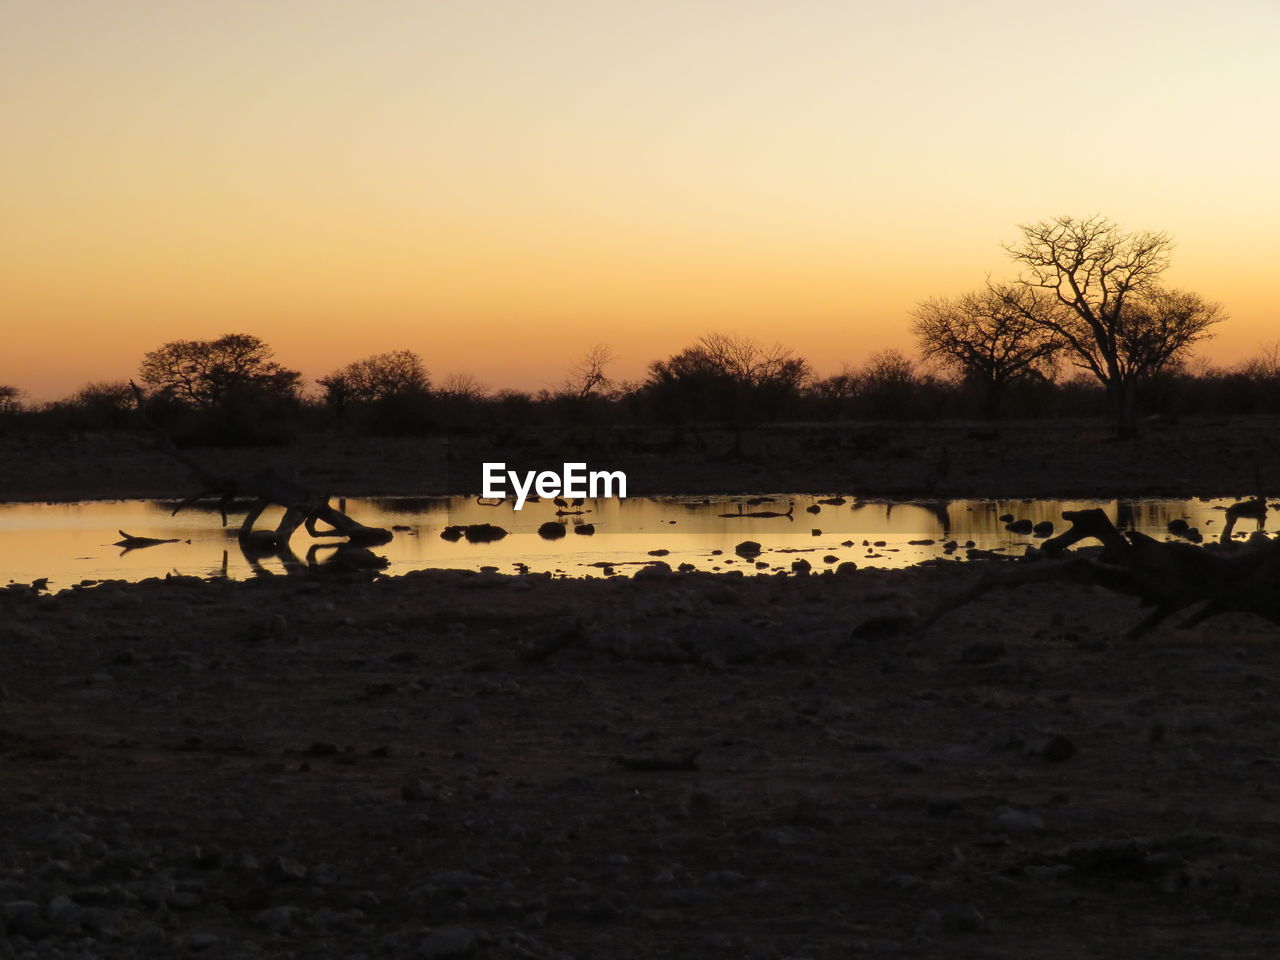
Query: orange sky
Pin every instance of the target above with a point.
(500, 185)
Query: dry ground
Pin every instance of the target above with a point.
(427, 766)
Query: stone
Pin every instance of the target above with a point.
(448, 943)
(1018, 821)
(276, 919)
(417, 791)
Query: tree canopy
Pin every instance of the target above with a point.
(204, 373)
(399, 373)
(989, 336)
(1116, 321)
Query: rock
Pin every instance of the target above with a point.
(658, 553)
(813, 509)
(276, 919)
(801, 566)
(448, 943)
(846, 568)
(455, 881)
(830, 558)
(964, 919)
(1055, 749)
(484, 533)
(23, 917)
(1043, 529)
(185, 900)
(983, 651)
(64, 911)
(1006, 518)
(815, 532)
(417, 791)
(286, 870)
(585, 529)
(747, 548)
(551, 530)
(1023, 526)
(1018, 821)
(654, 570)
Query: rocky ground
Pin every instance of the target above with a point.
(449, 764)
(955, 459)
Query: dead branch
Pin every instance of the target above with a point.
(302, 504)
(1168, 577)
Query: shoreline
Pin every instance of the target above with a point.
(955, 460)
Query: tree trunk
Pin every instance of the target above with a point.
(1122, 396)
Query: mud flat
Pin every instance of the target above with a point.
(448, 764)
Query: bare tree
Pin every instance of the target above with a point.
(1117, 322)
(1263, 365)
(463, 386)
(990, 338)
(727, 376)
(587, 375)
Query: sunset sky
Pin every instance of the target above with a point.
(500, 184)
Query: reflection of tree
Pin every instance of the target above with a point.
(320, 556)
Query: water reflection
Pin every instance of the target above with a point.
(71, 542)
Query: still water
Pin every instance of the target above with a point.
(73, 542)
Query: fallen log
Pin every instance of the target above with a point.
(303, 506)
(1169, 577)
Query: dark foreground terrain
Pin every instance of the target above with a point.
(1065, 458)
(448, 765)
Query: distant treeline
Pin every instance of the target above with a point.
(231, 391)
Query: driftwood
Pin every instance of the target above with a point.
(303, 506)
(130, 542)
(1168, 577)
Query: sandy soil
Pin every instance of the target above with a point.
(429, 766)
(1026, 459)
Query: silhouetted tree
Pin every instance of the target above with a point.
(728, 377)
(988, 337)
(834, 396)
(205, 373)
(10, 399)
(1117, 322)
(887, 385)
(388, 393)
(103, 405)
(587, 375)
(382, 377)
(223, 392)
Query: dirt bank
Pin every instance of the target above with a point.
(429, 766)
(960, 460)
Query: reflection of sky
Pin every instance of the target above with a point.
(72, 542)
